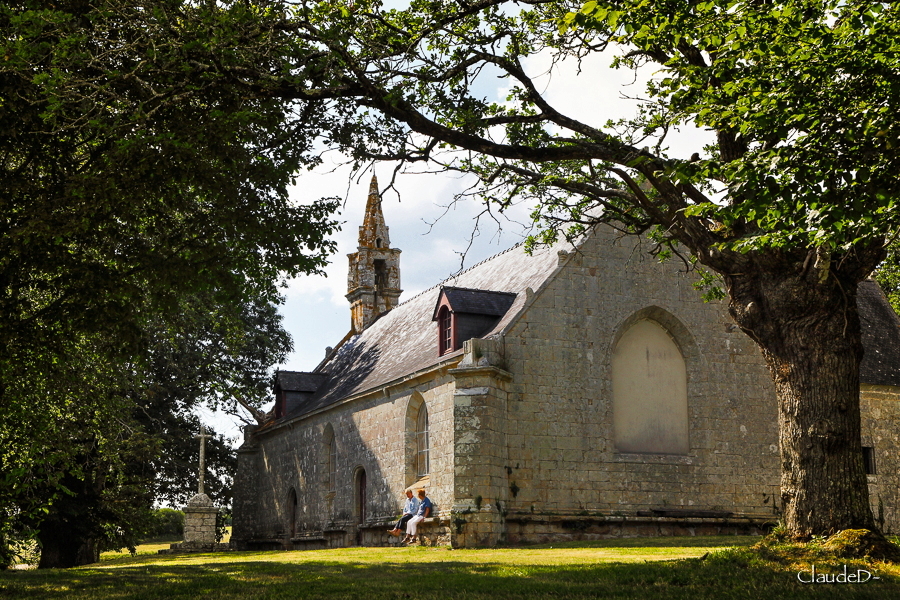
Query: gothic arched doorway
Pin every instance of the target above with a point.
(292, 513)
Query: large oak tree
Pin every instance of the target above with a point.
(147, 452)
(138, 174)
(790, 206)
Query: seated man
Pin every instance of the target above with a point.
(409, 510)
(423, 513)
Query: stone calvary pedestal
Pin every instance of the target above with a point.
(199, 515)
(200, 521)
(199, 528)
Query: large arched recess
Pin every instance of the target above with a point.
(651, 357)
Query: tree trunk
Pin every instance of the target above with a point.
(63, 545)
(68, 535)
(823, 483)
(808, 329)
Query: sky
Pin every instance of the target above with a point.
(433, 232)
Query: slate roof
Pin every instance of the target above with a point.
(404, 340)
(477, 302)
(880, 336)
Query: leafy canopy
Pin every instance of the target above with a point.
(807, 89)
(143, 206)
(139, 169)
(799, 95)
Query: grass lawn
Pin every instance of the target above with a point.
(641, 568)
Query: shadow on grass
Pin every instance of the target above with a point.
(728, 574)
(700, 541)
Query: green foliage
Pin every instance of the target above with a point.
(805, 89)
(222, 520)
(212, 356)
(113, 208)
(144, 225)
(888, 275)
(166, 524)
(800, 95)
(142, 449)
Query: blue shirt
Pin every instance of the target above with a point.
(411, 506)
(425, 503)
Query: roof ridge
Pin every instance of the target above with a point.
(460, 274)
(466, 289)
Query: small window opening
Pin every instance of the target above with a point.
(361, 495)
(378, 242)
(332, 466)
(330, 459)
(445, 330)
(868, 453)
(380, 273)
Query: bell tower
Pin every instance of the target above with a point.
(373, 283)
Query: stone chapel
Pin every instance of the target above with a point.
(576, 392)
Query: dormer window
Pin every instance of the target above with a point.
(463, 314)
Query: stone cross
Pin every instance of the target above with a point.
(202, 437)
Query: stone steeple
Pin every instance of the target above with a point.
(373, 283)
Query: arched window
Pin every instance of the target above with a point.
(423, 443)
(330, 458)
(445, 330)
(417, 439)
(649, 385)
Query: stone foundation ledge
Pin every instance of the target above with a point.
(315, 537)
(389, 522)
(698, 517)
(433, 531)
(193, 547)
(530, 528)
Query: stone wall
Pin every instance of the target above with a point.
(480, 451)
(523, 444)
(371, 435)
(880, 407)
(562, 458)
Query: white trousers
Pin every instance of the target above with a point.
(413, 523)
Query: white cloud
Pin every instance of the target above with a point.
(593, 92)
